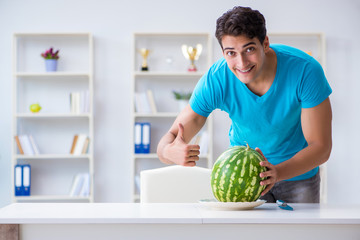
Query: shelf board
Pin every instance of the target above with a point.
(145, 155)
(157, 115)
(53, 156)
(53, 34)
(52, 115)
(170, 34)
(52, 74)
(155, 156)
(169, 74)
(51, 198)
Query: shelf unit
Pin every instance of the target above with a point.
(314, 42)
(54, 127)
(167, 72)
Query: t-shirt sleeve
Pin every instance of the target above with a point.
(204, 98)
(314, 87)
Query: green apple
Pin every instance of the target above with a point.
(35, 107)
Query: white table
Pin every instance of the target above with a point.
(180, 221)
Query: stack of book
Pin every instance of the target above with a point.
(81, 185)
(27, 145)
(79, 102)
(145, 102)
(80, 144)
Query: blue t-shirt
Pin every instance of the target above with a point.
(271, 122)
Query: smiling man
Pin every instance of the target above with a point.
(278, 100)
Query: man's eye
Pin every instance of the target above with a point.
(230, 53)
(250, 49)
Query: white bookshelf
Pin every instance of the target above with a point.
(54, 127)
(162, 77)
(314, 42)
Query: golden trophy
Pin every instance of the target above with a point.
(144, 53)
(193, 54)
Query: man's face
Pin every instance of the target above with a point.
(244, 56)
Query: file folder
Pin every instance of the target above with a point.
(145, 137)
(26, 183)
(18, 180)
(137, 139)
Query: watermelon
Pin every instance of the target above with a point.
(235, 175)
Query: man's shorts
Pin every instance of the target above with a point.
(301, 191)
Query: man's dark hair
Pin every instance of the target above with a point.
(241, 21)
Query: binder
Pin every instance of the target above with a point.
(22, 180)
(145, 137)
(137, 139)
(26, 183)
(18, 180)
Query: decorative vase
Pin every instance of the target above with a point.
(51, 65)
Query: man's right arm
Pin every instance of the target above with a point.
(173, 147)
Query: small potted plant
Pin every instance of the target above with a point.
(182, 98)
(50, 59)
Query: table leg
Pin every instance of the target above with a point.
(9, 231)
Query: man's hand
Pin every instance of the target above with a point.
(181, 153)
(271, 174)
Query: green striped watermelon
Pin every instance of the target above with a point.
(235, 175)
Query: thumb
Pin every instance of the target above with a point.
(180, 132)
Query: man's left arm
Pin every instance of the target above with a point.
(316, 127)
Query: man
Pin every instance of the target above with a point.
(278, 100)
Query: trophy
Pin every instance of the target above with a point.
(144, 53)
(193, 54)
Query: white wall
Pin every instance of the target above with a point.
(112, 24)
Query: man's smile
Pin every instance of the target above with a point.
(245, 70)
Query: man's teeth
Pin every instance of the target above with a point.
(244, 71)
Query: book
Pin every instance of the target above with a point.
(79, 146)
(80, 102)
(86, 103)
(85, 188)
(76, 185)
(26, 145)
(86, 146)
(75, 102)
(81, 185)
(19, 145)
(151, 99)
(73, 144)
(34, 145)
(142, 104)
